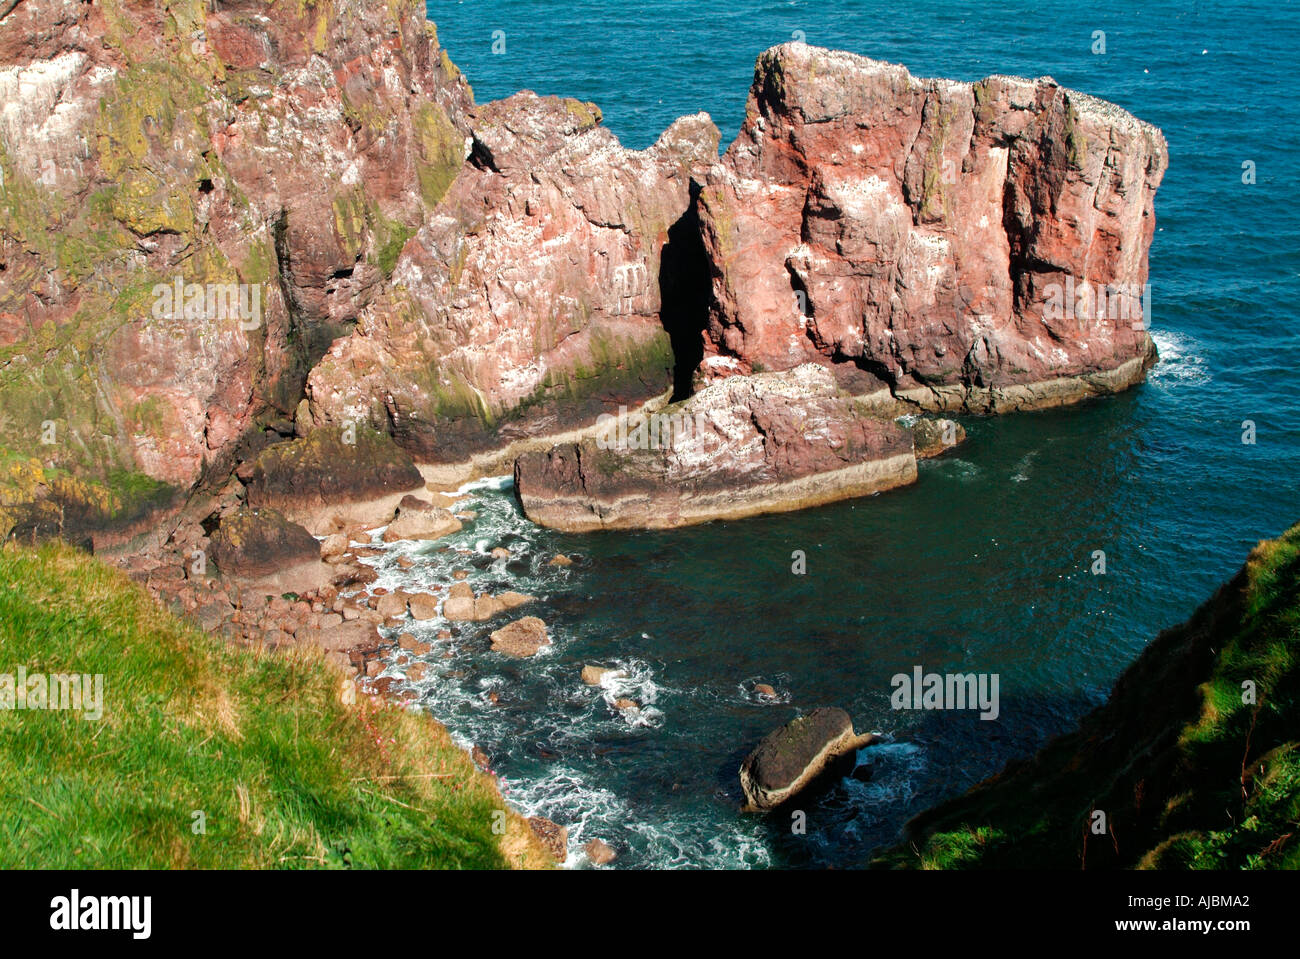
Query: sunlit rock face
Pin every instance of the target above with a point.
(929, 237)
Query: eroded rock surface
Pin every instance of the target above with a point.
(914, 234)
(271, 159)
(745, 445)
(530, 302)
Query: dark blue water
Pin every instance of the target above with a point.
(984, 565)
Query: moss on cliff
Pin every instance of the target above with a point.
(441, 152)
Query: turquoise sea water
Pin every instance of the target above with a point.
(984, 565)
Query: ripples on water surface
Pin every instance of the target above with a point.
(983, 566)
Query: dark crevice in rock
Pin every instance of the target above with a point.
(685, 288)
(480, 157)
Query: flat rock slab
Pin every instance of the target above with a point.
(420, 521)
(743, 446)
(790, 758)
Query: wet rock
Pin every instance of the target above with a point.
(599, 853)
(524, 637)
(560, 560)
(391, 605)
(595, 675)
(510, 599)
(934, 437)
(423, 606)
(764, 690)
(790, 758)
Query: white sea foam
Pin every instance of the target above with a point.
(1182, 360)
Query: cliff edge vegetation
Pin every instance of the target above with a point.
(1194, 761)
(208, 755)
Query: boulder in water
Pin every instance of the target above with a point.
(790, 758)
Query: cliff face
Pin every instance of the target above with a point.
(225, 226)
(928, 236)
(1194, 760)
(530, 301)
(266, 161)
(317, 174)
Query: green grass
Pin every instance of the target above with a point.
(1188, 773)
(285, 772)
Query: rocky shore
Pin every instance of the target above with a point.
(363, 251)
(269, 272)
(768, 442)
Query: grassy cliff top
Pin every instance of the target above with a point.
(259, 749)
(1194, 759)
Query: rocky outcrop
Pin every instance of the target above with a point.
(530, 301)
(332, 478)
(930, 238)
(195, 200)
(258, 542)
(419, 520)
(792, 757)
(522, 638)
(223, 227)
(746, 445)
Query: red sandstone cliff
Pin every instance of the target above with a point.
(919, 235)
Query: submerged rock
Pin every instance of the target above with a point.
(790, 758)
(599, 852)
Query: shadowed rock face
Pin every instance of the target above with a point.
(258, 542)
(914, 233)
(790, 758)
(360, 474)
(769, 442)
